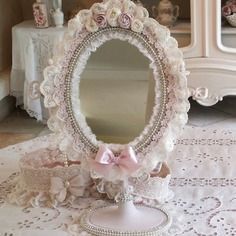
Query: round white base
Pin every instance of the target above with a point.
(126, 219)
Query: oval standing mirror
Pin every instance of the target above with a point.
(95, 104)
(114, 92)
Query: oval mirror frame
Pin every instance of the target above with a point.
(86, 32)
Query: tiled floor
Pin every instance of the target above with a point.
(20, 127)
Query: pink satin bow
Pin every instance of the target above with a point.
(105, 160)
(59, 188)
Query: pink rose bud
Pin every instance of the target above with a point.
(124, 20)
(101, 20)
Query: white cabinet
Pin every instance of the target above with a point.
(211, 54)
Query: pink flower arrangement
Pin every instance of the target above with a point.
(229, 8)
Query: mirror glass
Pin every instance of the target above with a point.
(116, 92)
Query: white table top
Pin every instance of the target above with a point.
(204, 182)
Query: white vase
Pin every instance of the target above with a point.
(57, 4)
(58, 17)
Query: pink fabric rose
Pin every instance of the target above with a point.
(101, 20)
(233, 8)
(124, 20)
(226, 11)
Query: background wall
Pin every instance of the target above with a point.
(10, 14)
(15, 11)
(70, 5)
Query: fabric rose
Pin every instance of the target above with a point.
(91, 25)
(129, 7)
(226, 11)
(112, 16)
(83, 15)
(98, 8)
(101, 20)
(231, 2)
(113, 3)
(74, 25)
(124, 20)
(137, 25)
(141, 13)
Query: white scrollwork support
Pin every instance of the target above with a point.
(203, 97)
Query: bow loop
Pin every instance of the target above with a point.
(105, 161)
(104, 155)
(60, 188)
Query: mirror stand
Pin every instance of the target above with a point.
(126, 218)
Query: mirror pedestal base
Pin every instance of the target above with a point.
(126, 219)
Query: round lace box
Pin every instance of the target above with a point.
(39, 166)
(97, 221)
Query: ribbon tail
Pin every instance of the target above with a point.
(128, 161)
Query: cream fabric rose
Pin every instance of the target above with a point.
(113, 3)
(83, 15)
(129, 7)
(98, 8)
(112, 16)
(137, 25)
(141, 13)
(74, 25)
(163, 34)
(91, 25)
